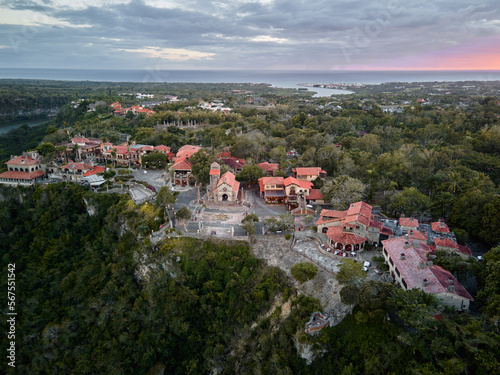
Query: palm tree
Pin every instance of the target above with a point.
(454, 181)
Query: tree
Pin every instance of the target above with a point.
(342, 191)
(201, 162)
(350, 272)
(183, 213)
(250, 173)
(249, 227)
(410, 201)
(250, 218)
(349, 295)
(304, 271)
(46, 148)
(166, 196)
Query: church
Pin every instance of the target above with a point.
(223, 188)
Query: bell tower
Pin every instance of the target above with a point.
(214, 179)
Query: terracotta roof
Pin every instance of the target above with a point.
(408, 222)
(23, 160)
(22, 175)
(272, 180)
(312, 171)
(230, 179)
(97, 169)
(445, 242)
(444, 277)
(234, 162)
(315, 194)
(79, 140)
(336, 234)
(464, 249)
(269, 167)
(386, 231)
(303, 184)
(182, 165)
(440, 226)
(80, 166)
(214, 172)
(414, 269)
(417, 235)
(223, 154)
(147, 148)
(162, 148)
(190, 148)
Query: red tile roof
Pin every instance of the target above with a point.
(408, 222)
(162, 148)
(293, 181)
(417, 235)
(440, 226)
(97, 169)
(230, 179)
(214, 172)
(182, 165)
(269, 167)
(22, 175)
(414, 268)
(445, 242)
(336, 234)
(80, 166)
(23, 160)
(309, 171)
(315, 194)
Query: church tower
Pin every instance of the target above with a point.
(214, 179)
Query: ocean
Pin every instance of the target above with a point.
(277, 78)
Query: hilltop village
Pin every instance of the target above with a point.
(407, 245)
(240, 228)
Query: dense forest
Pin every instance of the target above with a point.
(94, 296)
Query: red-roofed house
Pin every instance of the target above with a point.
(408, 223)
(182, 173)
(235, 164)
(410, 268)
(185, 152)
(449, 246)
(357, 220)
(440, 226)
(308, 174)
(74, 171)
(23, 170)
(97, 169)
(295, 190)
(315, 196)
(269, 168)
(272, 189)
(343, 238)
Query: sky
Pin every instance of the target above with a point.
(251, 34)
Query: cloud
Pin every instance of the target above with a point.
(316, 34)
(173, 54)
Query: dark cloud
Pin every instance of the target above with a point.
(244, 34)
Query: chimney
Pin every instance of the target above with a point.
(451, 288)
(450, 280)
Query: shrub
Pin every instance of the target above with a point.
(287, 236)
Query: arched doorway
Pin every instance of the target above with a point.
(324, 230)
(348, 247)
(224, 197)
